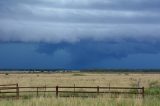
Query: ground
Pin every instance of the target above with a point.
(146, 80)
(80, 79)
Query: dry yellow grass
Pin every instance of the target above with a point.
(79, 79)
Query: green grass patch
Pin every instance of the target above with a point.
(153, 91)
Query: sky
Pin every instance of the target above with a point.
(79, 34)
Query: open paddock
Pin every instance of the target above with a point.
(147, 80)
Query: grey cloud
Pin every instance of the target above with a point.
(56, 21)
(29, 31)
(80, 32)
(92, 4)
(38, 11)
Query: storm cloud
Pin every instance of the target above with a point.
(79, 33)
(85, 53)
(53, 21)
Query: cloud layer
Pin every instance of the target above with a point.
(53, 21)
(87, 53)
(80, 55)
(79, 33)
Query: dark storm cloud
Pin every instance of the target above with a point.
(86, 53)
(71, 32)
(55, 21)
(35, 32)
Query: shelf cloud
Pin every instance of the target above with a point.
(53, 21)
(79, 33)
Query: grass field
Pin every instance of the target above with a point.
(149, 81)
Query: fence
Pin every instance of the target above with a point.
(4, 89)
(17, 90)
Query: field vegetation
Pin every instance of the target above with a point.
(151, 82)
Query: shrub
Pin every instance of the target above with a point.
(78, 74)
(6, 73)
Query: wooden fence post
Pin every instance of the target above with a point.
(74, 88)
(37, 92)
(97, 89)
(45, 92)
(56, 91)
(17, 91)
(143, 92)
